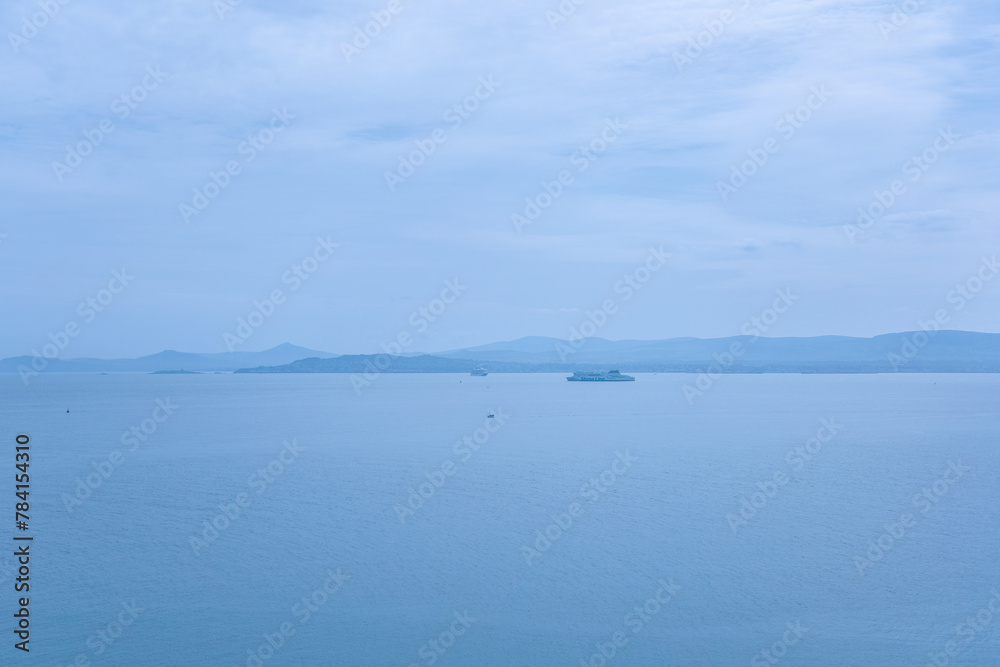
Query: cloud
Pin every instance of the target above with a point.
(687, 129)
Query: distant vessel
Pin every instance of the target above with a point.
(610, 376)
(479, 371)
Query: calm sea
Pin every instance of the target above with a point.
(285, 520)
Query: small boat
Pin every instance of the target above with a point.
(610, 376)
(490, 416)
(479, 371)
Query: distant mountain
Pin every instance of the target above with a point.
(171, 360)
(542, 344)
(944, 352)
(378, 363)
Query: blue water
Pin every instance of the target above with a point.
(334, 507)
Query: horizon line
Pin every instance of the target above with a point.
(470, 347)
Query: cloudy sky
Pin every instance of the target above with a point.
(740, 137)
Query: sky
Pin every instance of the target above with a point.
(169, 169)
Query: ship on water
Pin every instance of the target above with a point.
(479, 371)
(610, 376)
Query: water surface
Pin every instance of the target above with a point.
(337, 505)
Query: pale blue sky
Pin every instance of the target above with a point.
(886, 97)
